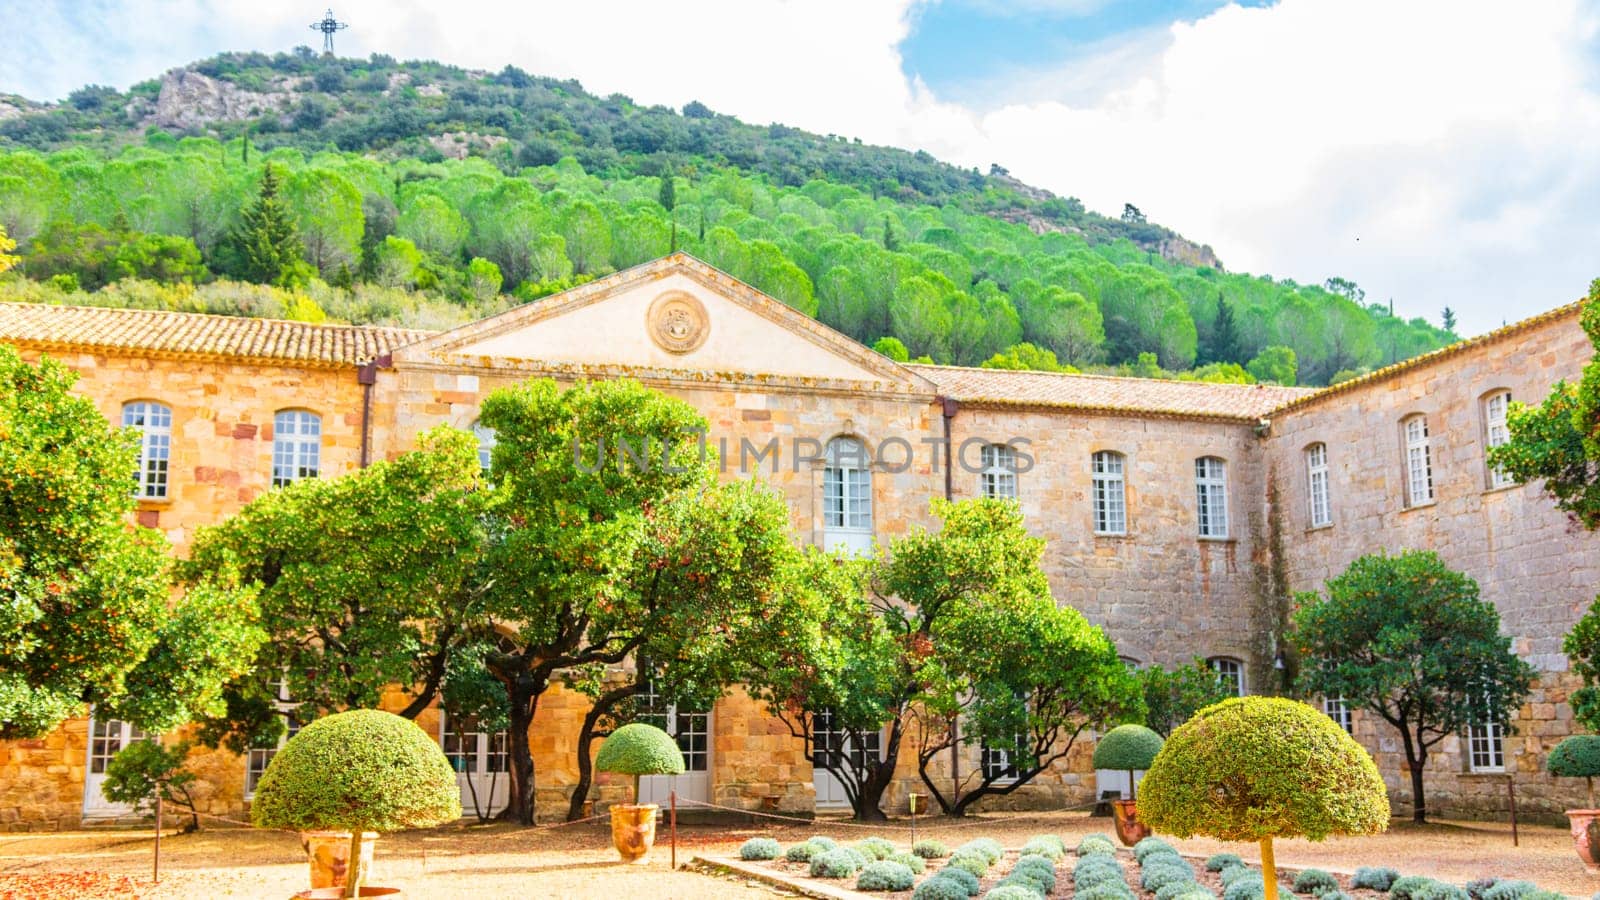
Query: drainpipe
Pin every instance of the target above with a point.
(367, 376)
(948, 408)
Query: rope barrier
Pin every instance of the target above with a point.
(878, 826)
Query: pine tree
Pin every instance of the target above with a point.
(265, 247)
(1224, 335)
(890, 242)
(669, 199)
(1449, 317)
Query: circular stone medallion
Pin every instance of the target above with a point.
(677, 322)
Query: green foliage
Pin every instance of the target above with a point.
(760, 848)
(1013, 892)
(640, 749)
(1258, 767)
(1047, 846)
(892, 348)
(826, 843)
(1409, 639)
(145, 770)
(1274, 365)
(87, 614)
(1095, 845)
(1315, 882)
(874, 848)
(1374, 878)
(884, 875)
(839, 863)
(264, 247)
(930, 848)
(1176, 889)
(1419, 887)
(1116, 891)
(1153, 876)
(1127, 747)
(1577, 756)
(1509, 889)
(1219, 861)
(937, 888)
(970, 861)
(1172, 696)
(910, 860)
(963, 878)
(363, 770)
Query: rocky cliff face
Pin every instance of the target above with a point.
(189, 99)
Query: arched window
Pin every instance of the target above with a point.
(999, 475)
(296, 446)
(486, 441)
(154, 421)
(1317, 485)
(1495, 406)
(1230, 672)
(847, 496)
(1419, 462)
(1110, 494)
(1211, 496)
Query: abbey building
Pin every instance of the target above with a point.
(1178, 515)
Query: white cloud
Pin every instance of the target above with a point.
(1432, 151)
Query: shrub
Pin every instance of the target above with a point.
(940, 889)
(962, 877)
(1477, 887)
(1506, 889)
(760, 848)
(1036, 862)
(1404, 887)
(1118, 891)
(1335, 895)
(975, 863)
(1374, 878)
(911, 861)
(1439, 890)
(1148, 846)
(1046, 848)
(1039, 874)
(1197, 892)
(803, 852)
(1234, 873)
(1543, 895)
(930, 849)
(826, 843)
(1127, 747)
(883, 875)
(1315, 882)
(837, 863)
(1013, 892)
(1220, 861)
(1155, 877)
(1029, 880)
(1289, 771)
(144, 770)
(874, 848)
(639, 749)
(1096, 844)
(989, 847)
(1182, 889)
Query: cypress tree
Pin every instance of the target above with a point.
(264, 247)
(1224, 335)
(669, 199)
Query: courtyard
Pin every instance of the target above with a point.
(497, 861)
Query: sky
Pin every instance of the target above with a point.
(1437, 152)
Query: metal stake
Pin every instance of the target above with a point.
(155, 874)
(673, 799)
(1511, 792)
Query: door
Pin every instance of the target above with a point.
(829, 742)
(691, 728)
(106, 739)
(481, 763)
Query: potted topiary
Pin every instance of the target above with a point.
(637, 749)
(1579, 756)
(1129, 747)
(1255, 768)
(359, 771)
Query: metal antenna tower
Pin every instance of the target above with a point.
(328, 26)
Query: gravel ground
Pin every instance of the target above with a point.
(502, 861)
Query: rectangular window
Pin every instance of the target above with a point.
(847, 486)
(1317, 484)
(1110, 494)
(999, 476)
(1486, 748)
(1419, 462)
(998, 762)
(1496, 433)
(257, 758)
(154, 421)
(296, 446)
(1230, 672)
(1339, 711)
(1211, 496)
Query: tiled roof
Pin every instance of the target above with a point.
(1105, 393)
(146, 332)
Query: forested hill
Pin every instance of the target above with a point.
(424, 194)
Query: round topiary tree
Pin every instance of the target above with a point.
(357, 771)
(1130, 747)
(637, 749)
(1255, 768)
(1577, 757)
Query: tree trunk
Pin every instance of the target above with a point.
(869, 801)
(523, 705)
(602, 705)
(1269, 869)
(1415, 759)
(352, 866)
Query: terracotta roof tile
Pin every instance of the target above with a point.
(1105, 393)
(161, 333)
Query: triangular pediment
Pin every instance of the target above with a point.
(676, 314)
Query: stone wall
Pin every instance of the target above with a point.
(1539, 569)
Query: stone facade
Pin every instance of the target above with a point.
(761, 373)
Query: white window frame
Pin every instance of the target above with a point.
(1418, 460)
(1317, 485)
(1211, 497)
(487, 440)
(1110, 494)
(847, 495)
(154, 421)
(998, 479)
(1338, 710)
(1486, 748)
(1496, 433)
(256, 759)
(1230, 671)
(296, 446)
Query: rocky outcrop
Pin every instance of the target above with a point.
(189, 99)
(1178, 249)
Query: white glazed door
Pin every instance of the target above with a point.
(480, 761)
(828, 740)
(692, 731)
(106, 739)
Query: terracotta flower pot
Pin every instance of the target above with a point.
(633, 830)
(1586, 836)
(1130, 830)
(328, 852)
(335, 893)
